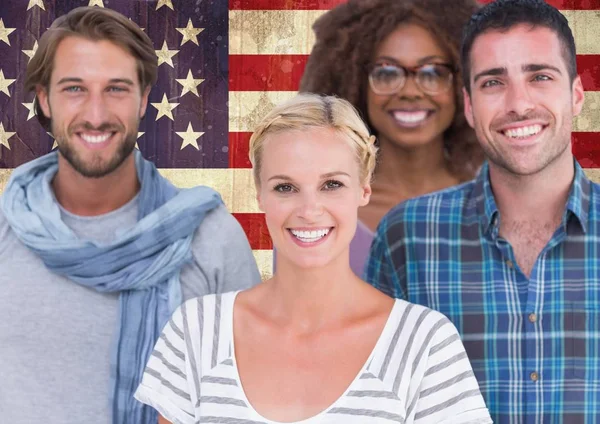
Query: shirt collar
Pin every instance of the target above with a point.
(577, 206)
(484, 199)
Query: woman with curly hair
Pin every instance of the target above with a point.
(397, 61)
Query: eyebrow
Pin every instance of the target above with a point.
(493, 72)
(111, 81)
(428, 59)
(323, 176)
(535, 67)
(422, 61)
(530, 67)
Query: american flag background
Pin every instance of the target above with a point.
(222, 66)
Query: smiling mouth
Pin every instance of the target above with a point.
(312, 236)
(96, 139)
(523, 132)
(411, 118)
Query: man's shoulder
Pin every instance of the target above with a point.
(217, 220)
(218, 227)
(440, 206)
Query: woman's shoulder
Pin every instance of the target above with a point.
(198, 312)
(418, 322)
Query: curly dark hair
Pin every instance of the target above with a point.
(348, 35)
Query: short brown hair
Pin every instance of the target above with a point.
(347, 37)
(503, 15)
(93, 23)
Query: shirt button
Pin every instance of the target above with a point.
(534, 376)
(532, 317)
(509, 264)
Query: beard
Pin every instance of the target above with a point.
(512, 165)
(96, 167)
(524, 164)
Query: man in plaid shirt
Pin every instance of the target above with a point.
(512, 258)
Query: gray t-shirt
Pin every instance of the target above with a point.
(56, 336)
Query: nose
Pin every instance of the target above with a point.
(95, 110)
(310, 207)
(518, 100)
(410, 89)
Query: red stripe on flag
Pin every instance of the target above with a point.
(255, 227)
(239, 147)
(567, 4)
(265, 72)
(283, 4)
(588, 66)
(586, 149)
(284, 72)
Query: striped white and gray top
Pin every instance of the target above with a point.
(418, 372)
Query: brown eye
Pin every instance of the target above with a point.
(333, 185)
(386, 78)
(283, 188)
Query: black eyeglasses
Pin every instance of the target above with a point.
(431, 78)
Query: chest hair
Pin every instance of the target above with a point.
(528, 239)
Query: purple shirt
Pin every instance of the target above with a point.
(359, 248)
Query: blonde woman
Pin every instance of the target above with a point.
(314, 344)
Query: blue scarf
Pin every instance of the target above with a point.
(143, 264)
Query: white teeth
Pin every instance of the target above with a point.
(411, 117)
(95, 138)
(310, 236)
(523, 131)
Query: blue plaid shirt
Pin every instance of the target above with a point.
(534, 343)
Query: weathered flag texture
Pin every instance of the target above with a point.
(223, 65)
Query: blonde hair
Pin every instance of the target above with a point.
(306, 111)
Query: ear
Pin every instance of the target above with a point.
(365, 195)
(42, 97)
(468, 108)
(144, 102)
(578, 96)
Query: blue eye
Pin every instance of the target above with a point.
(117, 89)
(490, 83)
(73, 89)
(542, 78)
